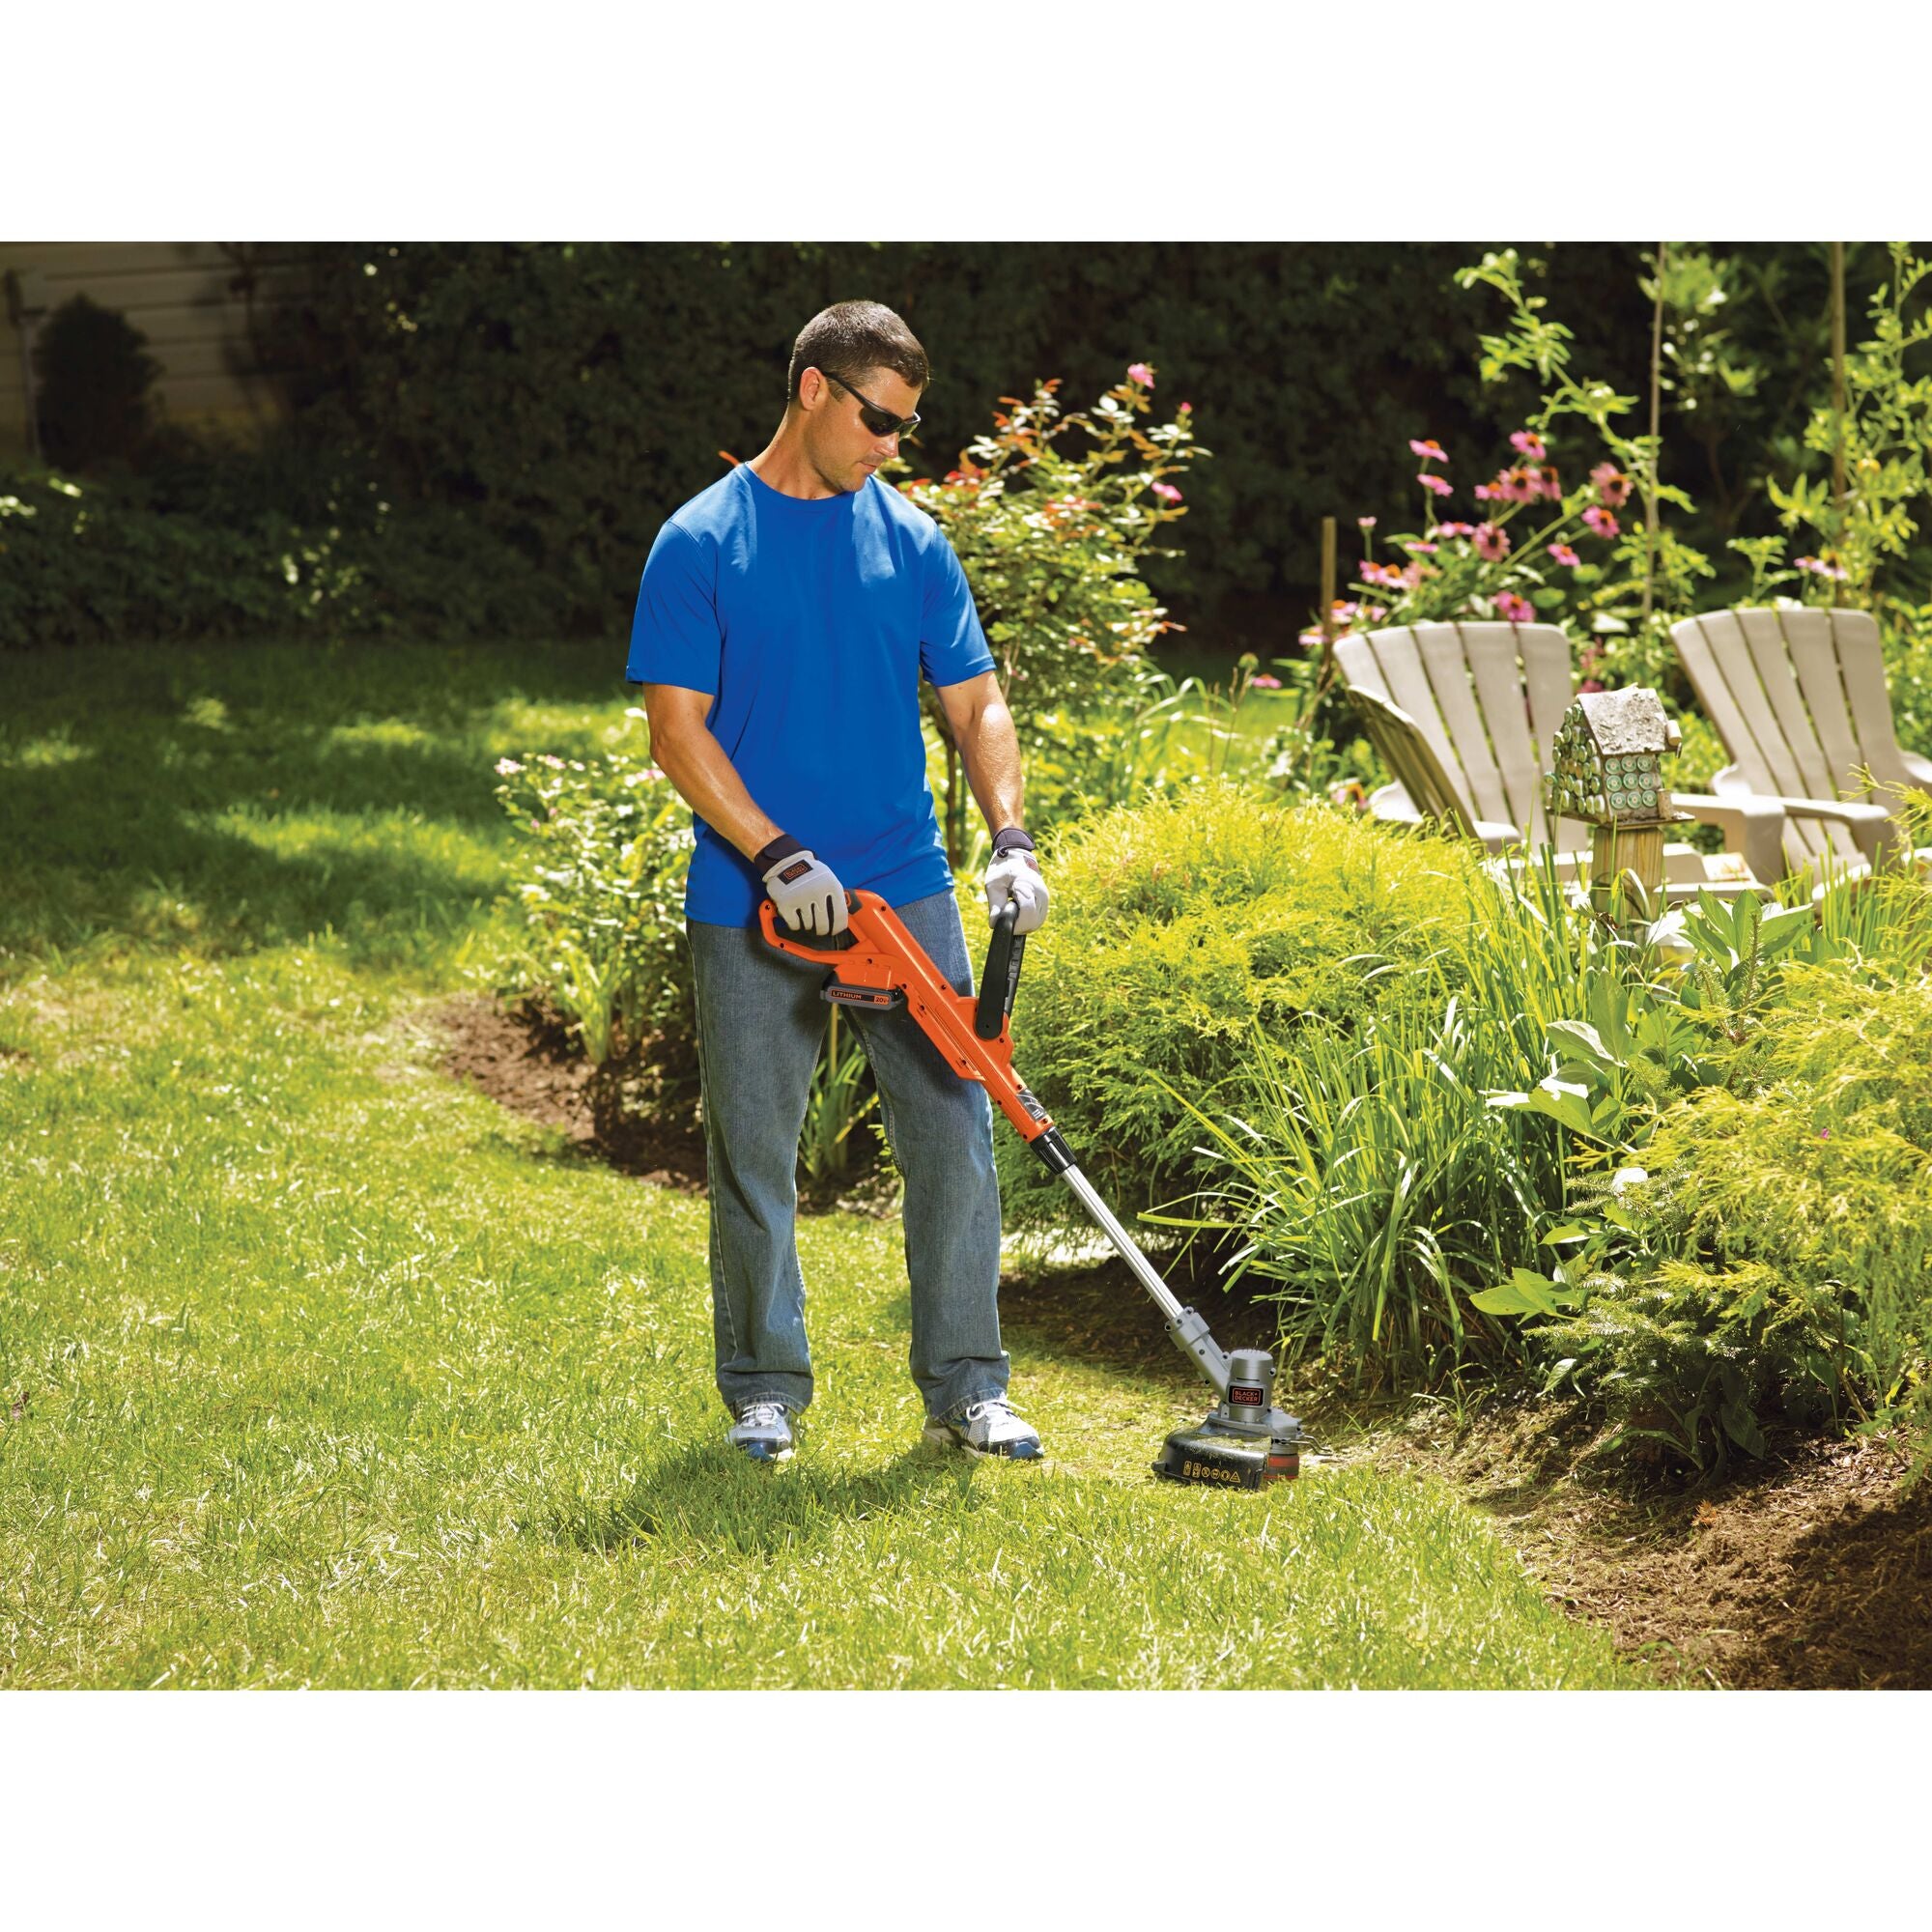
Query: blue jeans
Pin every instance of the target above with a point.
(760, 1022)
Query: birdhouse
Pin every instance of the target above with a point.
(1607, 763)
(1606, 768)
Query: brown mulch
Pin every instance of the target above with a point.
(1812, 1570)
(625, 1113)
(522, 1059)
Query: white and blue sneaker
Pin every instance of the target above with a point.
(989, 1428)
(762, 1432)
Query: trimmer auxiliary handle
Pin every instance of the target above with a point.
(876, 963)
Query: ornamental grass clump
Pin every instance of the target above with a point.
(1182, 928)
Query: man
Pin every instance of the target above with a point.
(782, 624)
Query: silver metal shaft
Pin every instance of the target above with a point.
(1128, 1247)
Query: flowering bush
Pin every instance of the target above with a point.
(1051, 532)
(1535, 545)
(1051, 514)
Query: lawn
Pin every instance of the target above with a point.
(317, 1367)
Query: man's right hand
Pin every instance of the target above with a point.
(804, 889)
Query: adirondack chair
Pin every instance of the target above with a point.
(1465, 716)
(1798, 699)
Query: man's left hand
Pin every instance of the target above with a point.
(1014, 874)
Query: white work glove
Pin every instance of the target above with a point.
(804, 889)
(1014, 874)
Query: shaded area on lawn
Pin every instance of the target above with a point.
(242, 796)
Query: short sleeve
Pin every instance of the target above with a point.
(674, 632)
(952, 645)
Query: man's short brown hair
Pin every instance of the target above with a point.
(849, 338)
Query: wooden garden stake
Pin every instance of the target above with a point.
(1656, 452)
(1839, 409)
(1327, 603)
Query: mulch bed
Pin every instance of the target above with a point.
(1812, 1570)
(522, 1059)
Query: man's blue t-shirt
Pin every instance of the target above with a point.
(809, 620)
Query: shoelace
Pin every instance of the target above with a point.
(996, 1406)
(761, 1416)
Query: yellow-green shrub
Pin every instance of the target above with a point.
(1181, 925)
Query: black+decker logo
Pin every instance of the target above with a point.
(797, 870)
(1243, 1396)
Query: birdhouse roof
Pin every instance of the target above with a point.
(1623, 722)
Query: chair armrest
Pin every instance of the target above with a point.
(1918, 769)
(1870, 825)
(1753, 828)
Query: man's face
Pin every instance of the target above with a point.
(842, 451)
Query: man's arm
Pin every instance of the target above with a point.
(989, 749)
(695, 762)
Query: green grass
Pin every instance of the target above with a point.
(317, 1368)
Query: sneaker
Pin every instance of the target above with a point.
(762, 1432)
(989, 1427)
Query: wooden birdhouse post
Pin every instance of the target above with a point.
(1607, 770)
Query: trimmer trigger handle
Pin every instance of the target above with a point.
(1002, 978)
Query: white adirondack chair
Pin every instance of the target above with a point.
(1798, 699)
(1465, 716)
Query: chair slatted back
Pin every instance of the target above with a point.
(1488, 699)
(1798, 699)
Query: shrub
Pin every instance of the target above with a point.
(604, 896)
(1182, 926)
(92, 376)
(94, 562)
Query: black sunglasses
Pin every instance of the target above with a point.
(881, 422)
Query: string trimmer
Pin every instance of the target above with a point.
(877, 964)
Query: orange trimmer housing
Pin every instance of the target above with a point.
(877, 964)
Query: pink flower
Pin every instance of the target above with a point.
(1310, 637)
(1815, 564)
(1264, 682)
(1454, 529)
(1186, 410)
(1548, 482)
(1612, 485)
(1166, 492)
(1563, 554)
(1429, 449)
(1417, 548)
(1601, 522)
(1491, 543)
(1517, 609)
(1439, 484)
(508, 768)
(1529, 443)
(1367, 523)
(1589, 684)
(1139, 372)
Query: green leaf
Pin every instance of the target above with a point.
(1524, 1293)
(1741, 1425)
(1576, 1039)
(1566, 1104)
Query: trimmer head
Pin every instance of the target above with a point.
(1243, 1444)
(1225, 1461)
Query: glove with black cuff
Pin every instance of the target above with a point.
(804, 889)
(1014, 874)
